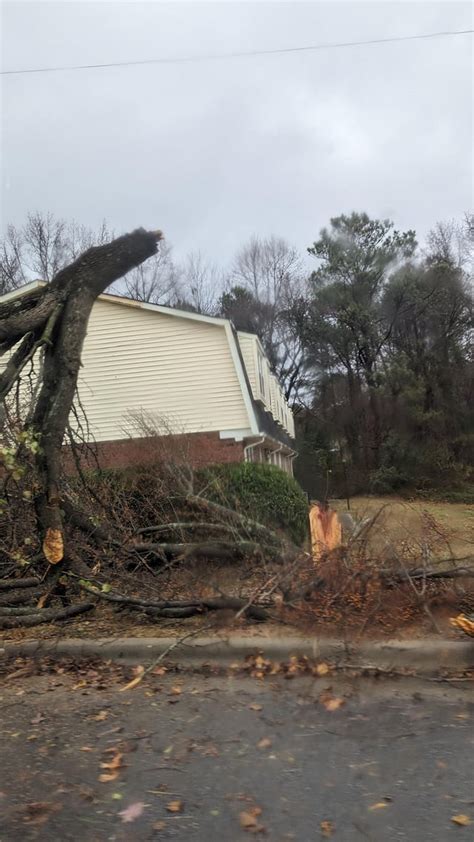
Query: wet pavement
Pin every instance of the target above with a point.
(189, 757)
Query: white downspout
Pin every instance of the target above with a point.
(251, 446)
(276, 451)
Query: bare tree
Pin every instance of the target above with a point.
(272, 273)
(201, 285)
(43, 246)
(156, 281)
(12, 269)
(452, 241)
(269, 268)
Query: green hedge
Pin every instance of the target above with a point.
(263, 492)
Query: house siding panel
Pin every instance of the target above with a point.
(135, 359)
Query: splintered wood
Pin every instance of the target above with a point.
(326, 530)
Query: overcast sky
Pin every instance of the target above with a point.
(214, 152)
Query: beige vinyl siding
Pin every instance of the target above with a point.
(248, 347)
(274, 402)
(272, 396)
(181, 369)
(291, 423)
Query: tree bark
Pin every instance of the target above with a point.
(45, 616)
(64, 307)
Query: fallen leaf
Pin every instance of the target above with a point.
(265, 742)
(380, 805)
(38, 812)
(175, 807)
(321, 669)
(106, 778)
(330, 702)
(255, 707)
(159, 826)
(113, 768)
(176, 691)
(159, 671)
(132, 812)
(327, 828)
(248, 819)
(37, 719)
(86, 748)
(260, 662)
(101, 716)
(461, 820)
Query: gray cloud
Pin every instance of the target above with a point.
(215, 151)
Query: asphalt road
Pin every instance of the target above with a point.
(226, 758)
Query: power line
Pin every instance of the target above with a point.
(246, 54)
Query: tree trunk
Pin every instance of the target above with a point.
(63, 308)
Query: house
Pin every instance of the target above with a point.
(192, 379)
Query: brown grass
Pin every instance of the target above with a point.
(446, 528)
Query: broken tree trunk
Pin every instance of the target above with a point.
(57, 316)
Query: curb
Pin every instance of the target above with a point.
(427, 657)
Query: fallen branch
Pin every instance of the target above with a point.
(183, 527)
(184, 608)
(13, 584)
(8, 599)
(99, 534)
(211, 550)
(45, 616)
(252, 527)
(420, 573)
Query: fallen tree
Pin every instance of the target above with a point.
(50, 321)
(76, 542)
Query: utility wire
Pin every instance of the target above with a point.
(246, 54)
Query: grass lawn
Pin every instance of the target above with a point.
(447, 529)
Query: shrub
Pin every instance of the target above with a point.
(385, 480)
(263, 492)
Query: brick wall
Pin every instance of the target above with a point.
(197, 449)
